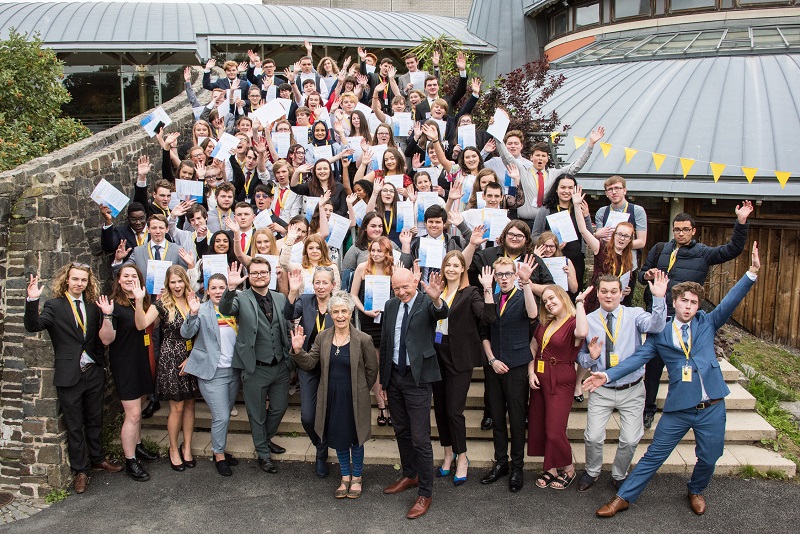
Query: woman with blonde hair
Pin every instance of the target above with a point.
(315, 254)
(172, 383)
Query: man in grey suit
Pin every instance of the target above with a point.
(262, 353)
(408, 367)
(157, 248)
(406, 81)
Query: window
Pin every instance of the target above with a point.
(559, 23)
(683, 5)
(631, 8)
(587, 15)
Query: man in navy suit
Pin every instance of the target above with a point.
(697, 390)
(135, 231)
(231, 69)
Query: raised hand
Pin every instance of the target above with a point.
(490, 146)
(231, 225)
(346, 63)
(362, 80)
(476, 85)
(434, 287)
(380, 87)
(430, 131)
(106, 306)
(138, 291)
(409, 193)
(143, 166)
(187, 74)
(435, 57)
(193, 302)
(455, 217)
(172, 139)
(577, 196)
(596, 135)
(539, 251)
(744, 211)
(594, 382)
(296, 281)
(585, 209)
(486, 277)
(105, 212)
(243, 66)
(298, 338)
(252, 55)
(416, 161)
(392, 71)
(210, 64)
(405, 237)
(582, 296)
(513, 172)
(461, 61)
(351, 199)
(658, 285)
(595, 346)
(187, 257)
(289, 73)
(307, 45)
(362, 53)
(122, 251)
(304, 168)
(181, 209)
(34, 291)
(235, 278)
(477, 238)
(525, 268)
(200, 170)
(755, 261)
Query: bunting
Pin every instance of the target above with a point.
(629, 153)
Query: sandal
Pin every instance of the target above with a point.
(355, 493)
(382, 417)
(545, 479)
(340, 492)
(563, 480)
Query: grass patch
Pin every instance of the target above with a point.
(111, 429)
(152, 445)
(748, 471)
(56, 495)
(779, 365)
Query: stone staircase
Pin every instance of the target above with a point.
(744, 430)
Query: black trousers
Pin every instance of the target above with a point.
(82, 406)
(411, 419)
(487, 412)
(449, 400)
(309, 384)
(508, 393)
(652, 379)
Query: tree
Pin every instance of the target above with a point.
(31, 95)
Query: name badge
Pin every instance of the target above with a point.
(540, 366)
(438, 338)
(686, 375)
(613, 359)
(189, 344)
(147, 340)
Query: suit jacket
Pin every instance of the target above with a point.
(305, 307)
(244, 306)
(363, 372)
(405, 79)
(140, 196)
(67, 338)
(141, 255)
(110, 238)
(541, 275)
(420, 334)
(468, 313)
(424, 107)
(703, 359)
(224, 83)
(206, 351)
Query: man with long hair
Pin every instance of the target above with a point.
(73, 320)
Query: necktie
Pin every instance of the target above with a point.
(157, 253)
(401, 360)
(503, 299)
(244, 240)
(685, 335)
(540, 187)
(80, 313)
(609, 343)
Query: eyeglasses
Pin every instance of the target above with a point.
(137, 219)
(682, 230)
(549, 247)
(614, 189)
(259, 274)
(80, 265)
(261, 195)
(515, 236)
(624, 237)
(501, 276)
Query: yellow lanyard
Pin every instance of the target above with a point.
(248, 182)
(189, 343)
(246, 241)
(140, 240)
(81, 324)
(503, 308)
(164, 255)
(282, 199)
(546, 337)
(616, 330)
(672, 258)
(228, 319)
(686, 351)
(320, 325)
(389, 225)
(164, 211)
(219, 217)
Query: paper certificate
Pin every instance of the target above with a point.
(360, 208)
(561, 225)
(466, 135)
(226, 143)
(500, 125)
(214, 264)
(282, 141)
(377, 156)
(442, 128)
(496, 220)
(365, 109)
(269, 112)
(417, 79)
(197, 111)
(311, 205)
(300, 134)
(323, 152)
(370, 69)
(376, 291)
(402, 124)
(189, 189)
(297, 253)
(405, 215)
(396, 180)
(424, 201)
(155, 121)
(616, 217)
(285, 103)
(156, 273)
(173, 200)
(625, 280)
(263, 219)
(479, 202)
(308, 282)
(556, 266)
(467, 186)
(338, 227)
(355, 144)
(431, 252)
(273, 264)
(106, 194)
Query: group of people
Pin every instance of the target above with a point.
(302, 246)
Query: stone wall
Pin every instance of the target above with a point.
(46, 220)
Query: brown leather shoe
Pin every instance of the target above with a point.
(610, 510)
(420, 508)
(401, 485)
(697, 503)
(81, 482)
(112, 466)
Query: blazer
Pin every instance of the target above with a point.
(508, 334)
(703, 359)
(110, 238)
(424, 107)
(67, 338)
(244, 306)
(206, 350)
(541, 275)
(420, 334)
(141, 255)
(305, 307)
(140, 196)
(405, 79)
(363, 372)
(467, 315)
(223, 83)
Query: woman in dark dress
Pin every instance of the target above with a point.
(172, 384)
(129, 357)
(348, 369)
(556, 341)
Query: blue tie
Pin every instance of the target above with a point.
(157, 253)
(401, 360)
(685, 335)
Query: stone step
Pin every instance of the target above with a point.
(742, 426)
(384, 452)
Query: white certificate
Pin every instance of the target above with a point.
(396, 180)
(561, 225)
(338, 227)
(197, 112)
(106, 194)
(365, 109)
(282, 141)
(235, 94)
(402, 124)
(417, 79)
(273, 264)
(223, 109)
(376, 291)
(269, 112)
(272, 93)
(297, 253)
(308, 282)
(370, 69)
(480, 203)
(285, 103)
(625, 280)
(467, 186)
(497, 220)
(189, 188)
(226, 143)
(500, 125)
(360, 209)
(466, 135)
(405, 215)
(431, 253)
(300, 134)
(173, 200)
(442, 128)
(155, 121)
(377, 156)
(311, 205)
(214, 264)
(263, 219)
(355, 143)
(323, 152)
(424, 201)
(616, 217)
(556, 266)
(156, 273)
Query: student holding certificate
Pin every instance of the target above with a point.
(322, 182)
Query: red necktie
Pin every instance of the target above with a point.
(244, 240)
(540, 186)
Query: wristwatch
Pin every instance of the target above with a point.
(491, 362)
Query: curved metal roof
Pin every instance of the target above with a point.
(133, 26)
(734, 110)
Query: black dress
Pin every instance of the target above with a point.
(340, 421)
(169, 384)
(129, 357)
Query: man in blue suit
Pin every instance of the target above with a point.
(697, 390)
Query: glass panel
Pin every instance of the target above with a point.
(767, 38)
(95, 96)
(649, 47)
(706, 41)
(587, 15)
(745, 2)
(681, 5)
(631, 8)
(792, 34)
(677, 44)
(738, 38)
(559, 22)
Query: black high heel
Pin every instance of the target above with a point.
(382, 417)
(188, 463)
(176, 467)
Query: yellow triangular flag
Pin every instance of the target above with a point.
(686, 164)
(579, 141)
(716, 170)
(553, 136)
(606, 147)
(750, 173)
(658, 160)
(629, 153)
(783, 177)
